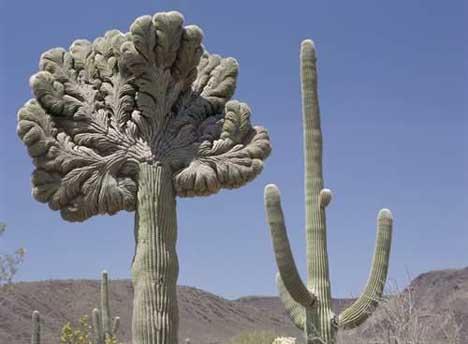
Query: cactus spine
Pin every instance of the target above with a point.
(309, 306)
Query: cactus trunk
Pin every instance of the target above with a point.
(155, 266)
(318, 320)
(36, 332)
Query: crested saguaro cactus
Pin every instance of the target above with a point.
(309, 306)
(129, 122)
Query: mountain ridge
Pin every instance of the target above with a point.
(205, 318)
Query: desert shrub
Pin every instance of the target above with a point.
(257, 337)
(401, 320)
(9, 262)
(284, 340)
(82, 334)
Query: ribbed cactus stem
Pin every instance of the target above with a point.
(155, 266)
(318, 281)
(36, 330)
(294, 309)
(105, 308)
(284, 259)
(97, 327)
(316, 318)
(363, 307)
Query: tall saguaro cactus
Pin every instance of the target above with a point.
(103, 326)
(309, 306)
(129, 122)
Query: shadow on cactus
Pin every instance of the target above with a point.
(309, 306)
(129, 122)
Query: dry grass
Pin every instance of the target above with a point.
(257, 337)
(401, 320)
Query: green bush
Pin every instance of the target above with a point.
(257, 337)
(81, 334)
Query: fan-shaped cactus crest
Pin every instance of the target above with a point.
(129, 122)
(151, 95)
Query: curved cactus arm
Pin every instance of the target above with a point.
(105, 308)
(363, 307)
(295, 311)
(36, 334)
(284, 258)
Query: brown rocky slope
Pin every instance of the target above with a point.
(204, 317)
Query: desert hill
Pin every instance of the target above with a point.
(204, 317)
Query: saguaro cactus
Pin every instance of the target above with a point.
(129, 122)
(103, 325)
(36, 328)
(309, 306)
(103, 332)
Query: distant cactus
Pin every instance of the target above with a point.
(129, 122)
(309, 306)
(103, 331)
(36, 328)
(104, 328)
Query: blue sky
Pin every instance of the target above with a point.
(393, 86)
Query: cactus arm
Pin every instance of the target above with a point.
(294, 309)
(36, 334)
(105, 308)
(363, 307)
(97, 328)
(115, 325)
(284, 258)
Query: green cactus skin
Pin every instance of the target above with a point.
(36, 330)
(155, 266)
(309, 306)
(97, 327)
(103, 326)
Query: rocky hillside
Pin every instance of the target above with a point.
(205, 318)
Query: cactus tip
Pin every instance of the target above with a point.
(308, 43)
(308, 48)
(36, 315)
(271, 189)
(385, 213)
